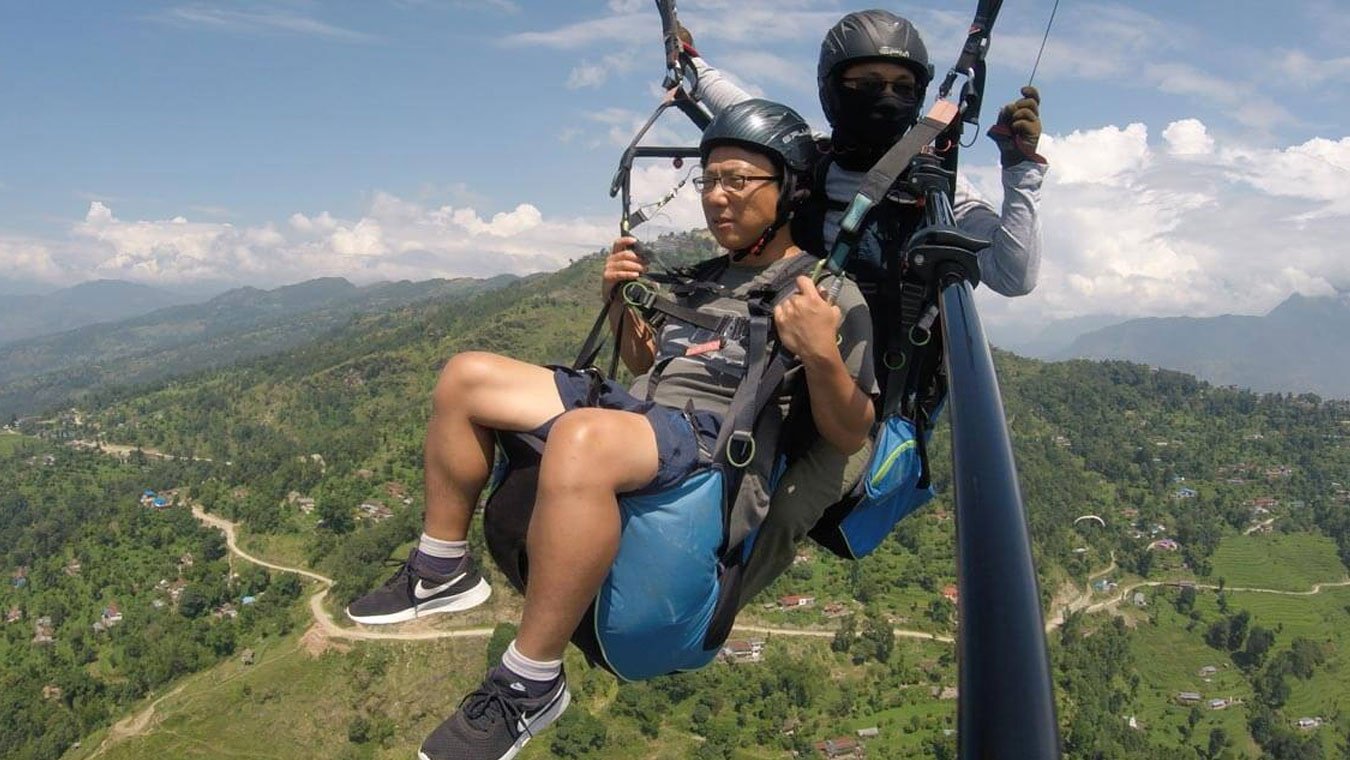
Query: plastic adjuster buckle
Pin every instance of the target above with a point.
(740, 449)
(638, 295)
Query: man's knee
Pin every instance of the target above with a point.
(580, 429)
(592, 447)
(460, 375)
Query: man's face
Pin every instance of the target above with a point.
(736, 218)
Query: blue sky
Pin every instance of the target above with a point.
(1200, 158)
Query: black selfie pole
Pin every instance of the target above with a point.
(1006, 707)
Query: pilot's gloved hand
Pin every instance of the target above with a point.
(1018, 129)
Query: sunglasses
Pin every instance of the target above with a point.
(877, 85)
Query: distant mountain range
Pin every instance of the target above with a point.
(1301, 346)
(246, 322)
(28, 314)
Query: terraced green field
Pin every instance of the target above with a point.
(9, 442)
(1289, 562)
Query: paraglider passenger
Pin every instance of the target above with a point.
(756, 162)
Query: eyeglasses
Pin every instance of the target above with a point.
(875, 85)
(732, 183)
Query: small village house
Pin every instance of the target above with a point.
(1189, 697)
(844, 746)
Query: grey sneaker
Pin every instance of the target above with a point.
(410, 594)
(494, 722)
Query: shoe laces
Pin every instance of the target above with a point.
(493, 701)
(404, 574)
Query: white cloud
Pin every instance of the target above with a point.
(589, 74)
(586, 74)
(394, 239)
(768, 68)
(1188, 137)
(1317, 170)
(1302, 70)
(653, 182)
(505, 6)
(32, 259)
(582, 34)
(1108, 156)
(620, 126)
(1204, 225)
(254, 22)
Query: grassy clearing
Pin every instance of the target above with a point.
(1167, 658)
(1324, 618)
(10, 441)
(1289, 562)
(282, 549)
(294, 704)
(291, 704)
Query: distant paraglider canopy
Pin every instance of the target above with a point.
(1081, 518)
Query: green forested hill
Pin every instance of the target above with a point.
(240, 324)
(1156, 455)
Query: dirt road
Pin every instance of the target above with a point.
(322, 619)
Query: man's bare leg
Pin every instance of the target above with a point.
(591, 455)
(476, 394)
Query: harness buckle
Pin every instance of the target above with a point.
(919, 335)
(740, 449)
(638, 294)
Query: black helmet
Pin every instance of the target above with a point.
(765, 127)
(777, 131)
(873, 35)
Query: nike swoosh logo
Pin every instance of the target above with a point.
(522, 726)
(423, 591)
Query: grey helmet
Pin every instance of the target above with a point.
(766, 127)
(774, 129)
(869, 36)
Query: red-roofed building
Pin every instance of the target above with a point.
(844, 746)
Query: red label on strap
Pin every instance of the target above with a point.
(703, 348)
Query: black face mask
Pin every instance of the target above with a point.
(875, 121)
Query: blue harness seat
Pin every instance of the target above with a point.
(666, 604)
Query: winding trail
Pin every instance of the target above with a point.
(1080, 600)
(1127, 590)
(1257, 526)
(904, 633)
(132, 725)
(123, 451)
(322, 619)
(332, 629)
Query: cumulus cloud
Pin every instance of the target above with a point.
(1188, 137)
(1196, 225)
(394, 239)
(1107, 156)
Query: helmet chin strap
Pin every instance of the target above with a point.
(755, 248)
(787, 204)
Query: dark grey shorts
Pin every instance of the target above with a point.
(683, 440)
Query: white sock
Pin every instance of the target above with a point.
(434, 547)
(531, 670)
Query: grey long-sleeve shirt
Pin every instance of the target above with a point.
(1009, 266)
